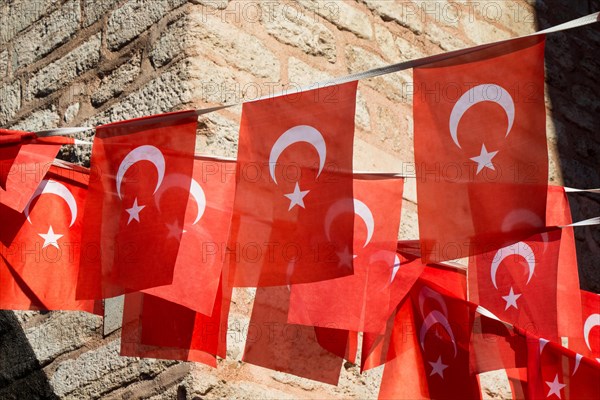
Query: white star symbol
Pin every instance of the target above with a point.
(484, 160)
(175, 231)
(50, 238)
(555, 387)
(296, 197)
(345, 257)
(438, 367)
(511, 299)
(134, 211)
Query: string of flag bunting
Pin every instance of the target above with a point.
(175, 232)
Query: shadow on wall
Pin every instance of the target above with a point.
(21, 375)
(572, 66)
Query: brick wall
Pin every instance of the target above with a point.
(86, 62)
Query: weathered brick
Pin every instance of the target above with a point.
(443, 38)
(239, 49)
(18, 15)
(301, 31)
(342, 15)
(133, 18)
(480, 31)
(217, 135)
(405, 13)
(62, 71)
(94, 10)
(39, 120)
(47, 34)
(10, 101)
(115, 83)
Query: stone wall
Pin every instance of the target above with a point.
(87, 62)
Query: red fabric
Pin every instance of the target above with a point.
(23, 165)
(203, 244)
(433, 360)
(157, 328)
(558, 213)
(127, 246)
(278, 234)
(555, 372)
(40, 256)
(518, 283)
(359, 302)
(496, 345)
(294, 349)
(586, 339)
(467, 204)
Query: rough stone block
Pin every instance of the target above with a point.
(3, 63)
(171, 43)
(404, 13)
(64, 331)
(10, 101)
(115, 83)
(133, 18)
(299, 30)
(239, 49)
(94, 10)
(162, 94)
(47, 34)
(38, 120)
(57, 74)
(343, 15)
(18, 15)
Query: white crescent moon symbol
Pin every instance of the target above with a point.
(578, 358)
(436, 317)
(48, 186)
(591, 321)
(142, 153)
(476, 95)
(395, 268)
(345, 205)
(300, 133)
(427, 293)
(177, 180)
(519, 249)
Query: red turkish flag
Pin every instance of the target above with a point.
(555, 372)
(10, 144)
(204, 240)
(433, 360)
(127, 244)
(158, 328)
(480, 149)
(558, 213)
(518, 284)
(366, 295)
(586, 339)
(294, 349)
(24, 161)
(40, 247)
(294, 164)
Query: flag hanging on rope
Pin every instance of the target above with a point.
(203, 233)
(480, 149)
(375, 210)
(40, 247)
(127, 245)
(24, 161)
(294, 164)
